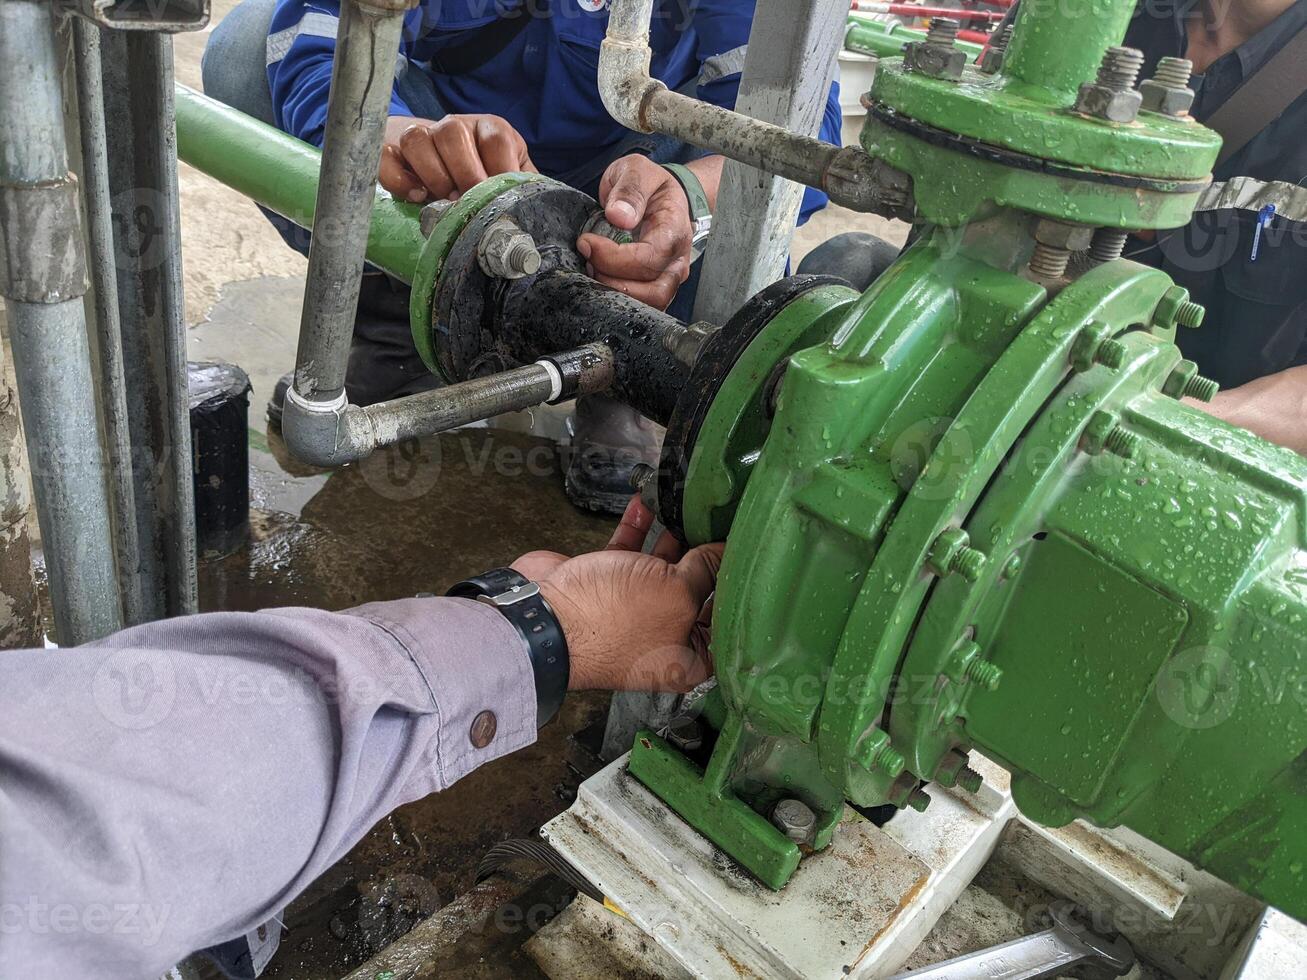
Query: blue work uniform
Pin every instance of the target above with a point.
(544, 82)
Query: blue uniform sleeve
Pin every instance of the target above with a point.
(301, 45)
(722, 27)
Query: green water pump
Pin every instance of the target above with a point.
(980, 506)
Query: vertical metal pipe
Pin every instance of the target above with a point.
(109, 345)
(791, 60)
(20, 621)
(367, 44)
(44, 283)
(1056, 46)
(138, 95)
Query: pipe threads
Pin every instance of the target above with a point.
(1120, 68)
(943, 31)
(1174, 72)
(1049, 261)
(1108, 244)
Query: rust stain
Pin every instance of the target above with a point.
(917, 888)
(740, 969)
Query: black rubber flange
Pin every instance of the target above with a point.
(467, 344)
(717, 357)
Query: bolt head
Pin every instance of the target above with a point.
(991, 61)
(430, 216)
(934, 60)
(1166, 99)
(684, 733)
(1102, 102)
(795, 820)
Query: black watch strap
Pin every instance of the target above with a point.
(519, 601)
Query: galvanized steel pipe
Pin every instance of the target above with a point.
(638, 101)
(43, 279)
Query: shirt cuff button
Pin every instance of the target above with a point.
(483, 728)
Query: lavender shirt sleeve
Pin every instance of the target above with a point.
(177, 784)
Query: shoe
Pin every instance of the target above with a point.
(609, 440)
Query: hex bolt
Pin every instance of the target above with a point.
(1200, 388)
(919, 799)
(507, 252)
(795, 820)
(1122, 442)
(938, 55)
(1049, 261)
(970, 780)
(1108, 244)
(1112, 95)
(1190, 314)
(1111, 354)
(889, 760)
(684, 733)
(952, 552)
(641, 474)
(943, 31)
(984, 673)
(992, 58)
(1168, 91)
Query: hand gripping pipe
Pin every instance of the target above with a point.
(638, 101)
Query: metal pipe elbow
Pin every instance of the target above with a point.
(625, 84)
(328, 434)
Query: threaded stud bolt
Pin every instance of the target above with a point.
(943, 31)
(1122, 442)
(968, 562)
(1112, 354)
(1200, 388)
(985, 674)
(1108, 244)
(992, 58)
(1049, 261)
(1190, 314)
(1174, 72)
(919, 799)
(889, 760)
(1119, 70)
(970, 780)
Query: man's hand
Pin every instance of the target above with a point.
(633, 622)
(423, 160)
(641, 197)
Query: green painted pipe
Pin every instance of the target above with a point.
(887, 40)
(1057, 46)
(281, 173)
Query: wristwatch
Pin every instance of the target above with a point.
(700, 212)
(519, 601)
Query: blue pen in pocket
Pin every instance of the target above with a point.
(1264, 217)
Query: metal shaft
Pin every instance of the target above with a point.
(138, 96)
(1056, 47)
(367, 43)
(44, 285)
(108, 328)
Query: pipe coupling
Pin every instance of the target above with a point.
(325, 433)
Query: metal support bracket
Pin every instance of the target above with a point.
(159, 16)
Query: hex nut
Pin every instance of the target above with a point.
(991, 60)
(1102, 102)
(934, 60)
(684, 733)
(1166, 99)
(1063, 234)
(507, 252)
